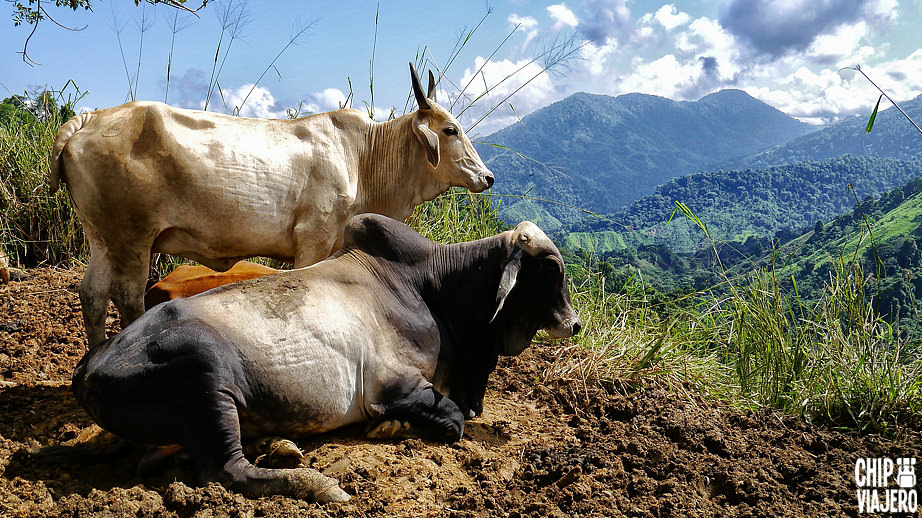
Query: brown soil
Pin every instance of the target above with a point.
(541, 448)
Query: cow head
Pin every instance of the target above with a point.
(449, 151)
(532, 291)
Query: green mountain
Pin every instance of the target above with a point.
(600, 153)
(893, 136)
(737, 204)
(884, 235)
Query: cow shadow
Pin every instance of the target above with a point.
(56, 442)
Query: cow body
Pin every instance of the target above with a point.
(394, 330)
(187, 280)
(145, 177)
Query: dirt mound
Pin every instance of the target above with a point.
(542, 447)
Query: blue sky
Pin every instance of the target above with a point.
(785, 52)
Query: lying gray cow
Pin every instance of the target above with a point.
(145, 178)
(394, 329)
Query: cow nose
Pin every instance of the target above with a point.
(576, 328)
(490, 180)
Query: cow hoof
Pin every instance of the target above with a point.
(389, 429)
(333, 494)
(310, 484)
(276, 452)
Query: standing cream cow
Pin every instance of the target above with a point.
(145, 178)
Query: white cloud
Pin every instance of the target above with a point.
(705, 38)
(841, 43)
(665, 76)
(562, 16)
(650, 26)
(705, 58)
(527, 24)
(594, 58)
(666, 52)
(248, 101)
(532, 88)
(775, 28)
(900, 78)
(882, 11)
(327, 100)
(827, 95)
(606, 19)
(670, 18)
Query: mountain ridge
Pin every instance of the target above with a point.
(892, 137)
(600, 153)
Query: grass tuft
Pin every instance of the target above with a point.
(36, 228)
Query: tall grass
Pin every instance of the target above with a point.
(35, 228)
(628, 342)
(835, 361)
(457, 216)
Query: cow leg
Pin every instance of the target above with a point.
(94, 294)
(308, 257)
(423, 413)
(218, 452)
(129, 279)
(308, 250)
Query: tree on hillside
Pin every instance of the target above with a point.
(41, 107)
(32, 12)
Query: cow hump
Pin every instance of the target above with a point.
(383, 237)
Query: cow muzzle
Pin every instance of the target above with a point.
(481, 182)
(565, 328)
(471, 173)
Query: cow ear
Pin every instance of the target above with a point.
(507, 281)
(431, 90)
(430, 142)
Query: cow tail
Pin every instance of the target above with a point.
(64, 134)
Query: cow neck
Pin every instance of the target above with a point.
(465, 278)
(395, 175)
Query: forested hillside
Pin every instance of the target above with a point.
(601, 153)
(739, 204)
(881, 235)
(892, 137)
(884, 236)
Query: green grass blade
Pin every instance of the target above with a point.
(874, 115)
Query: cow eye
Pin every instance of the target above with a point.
(451, 132)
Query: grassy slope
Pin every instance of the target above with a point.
(902, 221)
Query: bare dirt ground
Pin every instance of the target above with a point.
(542, 447)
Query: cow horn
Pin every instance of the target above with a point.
(530, 238)
(421, 99)
(431, 90)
